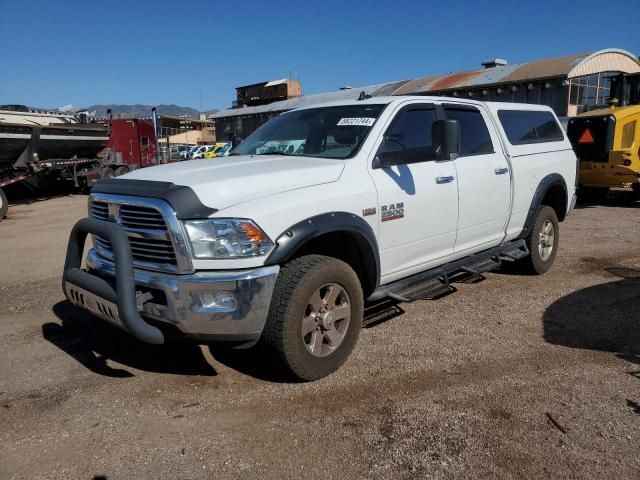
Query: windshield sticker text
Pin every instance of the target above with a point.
(356, 122)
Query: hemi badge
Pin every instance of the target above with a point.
(368, 212)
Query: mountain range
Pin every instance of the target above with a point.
(138, 110)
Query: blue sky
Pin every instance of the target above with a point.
(54, 53)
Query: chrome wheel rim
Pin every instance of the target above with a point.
(546, 240)
(326, 320)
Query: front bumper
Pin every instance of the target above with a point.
(230, 306)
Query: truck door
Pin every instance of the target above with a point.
(417, 201)
(484, 181)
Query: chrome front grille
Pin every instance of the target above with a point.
(141, 217)
(144, 250)
(155, 235)
(100, 210)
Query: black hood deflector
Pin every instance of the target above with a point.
(183, 199)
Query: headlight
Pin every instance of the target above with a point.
(227, 237)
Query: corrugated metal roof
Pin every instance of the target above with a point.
(552, 67)
(284, 105)
(535, 70)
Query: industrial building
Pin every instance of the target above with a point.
(185, 130)
(570, 85)
(266, 92)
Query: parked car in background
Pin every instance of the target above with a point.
(200, 151)
(186, 154)
(176, 151)
(219, 150)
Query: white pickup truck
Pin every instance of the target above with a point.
(387, 197)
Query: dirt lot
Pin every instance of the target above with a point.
(517, 376)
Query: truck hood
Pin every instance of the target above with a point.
(225, 181)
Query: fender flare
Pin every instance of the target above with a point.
(543, 187)
(296, 236)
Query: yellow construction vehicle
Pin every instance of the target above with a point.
(607, 141)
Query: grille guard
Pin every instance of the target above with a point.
(124, 295)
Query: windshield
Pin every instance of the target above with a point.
(330, 132)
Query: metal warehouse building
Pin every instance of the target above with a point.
(570, 85)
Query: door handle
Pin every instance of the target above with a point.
(501, 170)
(447, 179)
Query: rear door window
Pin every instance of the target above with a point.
(522, 126)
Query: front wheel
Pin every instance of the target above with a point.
(542, 241)
(315, 316)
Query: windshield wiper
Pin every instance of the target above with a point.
(275, 153)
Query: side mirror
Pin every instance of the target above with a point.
(446, 134)
(386, 159)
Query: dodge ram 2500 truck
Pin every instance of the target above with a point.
(387, 197)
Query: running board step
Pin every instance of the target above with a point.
(425, 290)
(474, 272)
(516, 253)
(436, 283)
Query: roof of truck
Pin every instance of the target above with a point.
(403, 98)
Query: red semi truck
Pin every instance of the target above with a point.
(131, 145)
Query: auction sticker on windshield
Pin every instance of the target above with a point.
(357, 122)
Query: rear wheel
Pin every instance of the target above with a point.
(542, 241)
(4, 205)
(636, 190)
(315, 316)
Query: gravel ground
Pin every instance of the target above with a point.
(516, 376)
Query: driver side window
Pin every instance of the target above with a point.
(410, 136)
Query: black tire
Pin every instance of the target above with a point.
(107, 173)
(121, 170)
(4, 205)
(537, 262)
(636, 190)
(297, 282)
